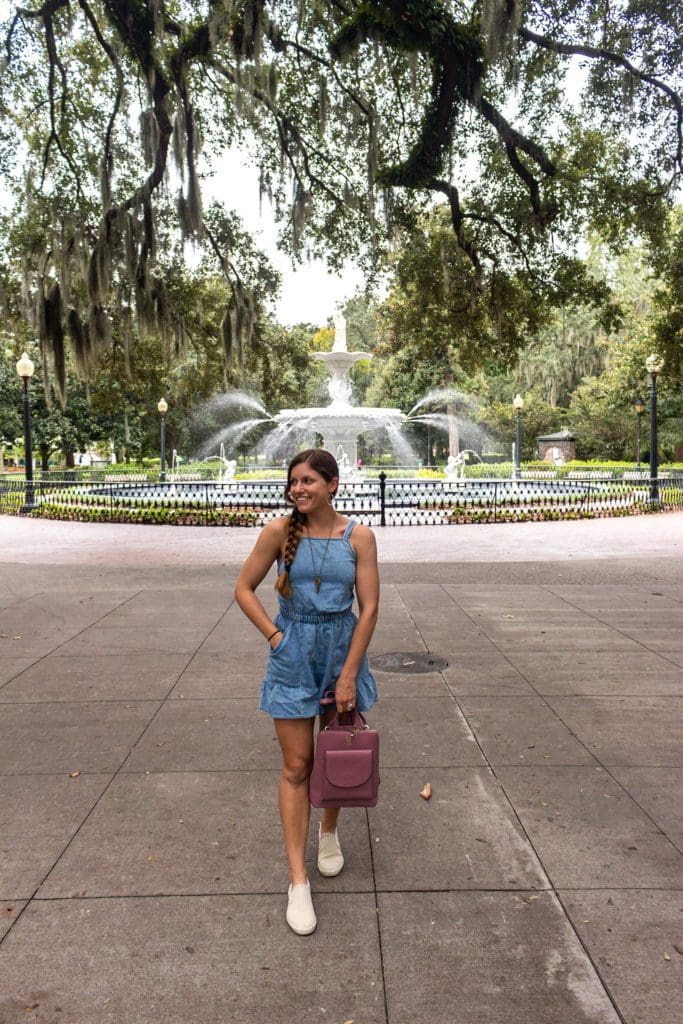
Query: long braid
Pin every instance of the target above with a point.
(294, 534)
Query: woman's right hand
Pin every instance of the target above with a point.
(275, 640)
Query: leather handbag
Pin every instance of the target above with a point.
(346, 764)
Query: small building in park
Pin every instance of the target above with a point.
(556, 448)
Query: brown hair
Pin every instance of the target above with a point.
(326, 465)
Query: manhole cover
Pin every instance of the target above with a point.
(409, 663)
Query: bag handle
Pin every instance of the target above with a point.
(356, 719)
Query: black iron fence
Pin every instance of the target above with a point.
(377, 502)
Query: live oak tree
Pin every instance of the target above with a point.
(356, 113)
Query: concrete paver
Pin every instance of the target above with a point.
(192, 958)
(587, 829)
(39, 815)
(483, 958)
(631, 933)
(658, 792)
(542, 881)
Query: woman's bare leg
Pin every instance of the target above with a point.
(295, 736)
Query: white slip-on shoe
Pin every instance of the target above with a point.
(300, 913)
(330, 857)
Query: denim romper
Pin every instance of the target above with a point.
(317, 627)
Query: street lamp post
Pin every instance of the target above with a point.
(25, 370)
(653, 364)
(639, 406)
(518, 403)
(162, 406)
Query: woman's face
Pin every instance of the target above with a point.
(308, 489)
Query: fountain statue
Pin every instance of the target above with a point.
(455, 466)
(340, 422)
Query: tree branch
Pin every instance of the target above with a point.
(119, 81)
(600, 53)
(457, 220)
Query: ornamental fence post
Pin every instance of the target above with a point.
(382, 498)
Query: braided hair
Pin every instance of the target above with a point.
(324, 464)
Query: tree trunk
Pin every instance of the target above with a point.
(44, 458)
(126, 434)
(69, 459)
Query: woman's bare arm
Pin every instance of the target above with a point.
(367, 592)
(268, 549)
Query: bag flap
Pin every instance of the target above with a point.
(348, 769)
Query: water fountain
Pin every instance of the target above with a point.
(401, 499)
(226, 474)
(340, 422)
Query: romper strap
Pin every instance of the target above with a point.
(347, 531)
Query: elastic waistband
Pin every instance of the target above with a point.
(297, 616)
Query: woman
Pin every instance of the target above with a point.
(317, 644)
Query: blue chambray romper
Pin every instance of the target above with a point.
(317, 629)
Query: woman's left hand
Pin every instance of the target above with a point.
(345, 692)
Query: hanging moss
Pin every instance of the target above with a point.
(79, 341)
(178, 140)
(55, 328)
(99, 330)
(227, 336)
(500, 20)
(149, 136)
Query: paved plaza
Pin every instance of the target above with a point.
(142, 878)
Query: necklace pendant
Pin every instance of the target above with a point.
(316, 580)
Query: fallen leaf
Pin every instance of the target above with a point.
(426, 791)
(16, 638)
(667, 956)
(74, 775)
(679, 949)
(408, 662)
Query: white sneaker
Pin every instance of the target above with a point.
(330, 857)
(300, 913)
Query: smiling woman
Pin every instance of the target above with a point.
(317, 646)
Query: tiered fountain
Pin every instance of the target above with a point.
(340, 422)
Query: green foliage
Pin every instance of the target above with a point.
(355, 115)
(11, 424)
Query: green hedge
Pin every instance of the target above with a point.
(543, 515)
(148, 516)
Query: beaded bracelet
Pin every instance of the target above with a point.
(269, 638)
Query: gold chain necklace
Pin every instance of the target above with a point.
(317, 573)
